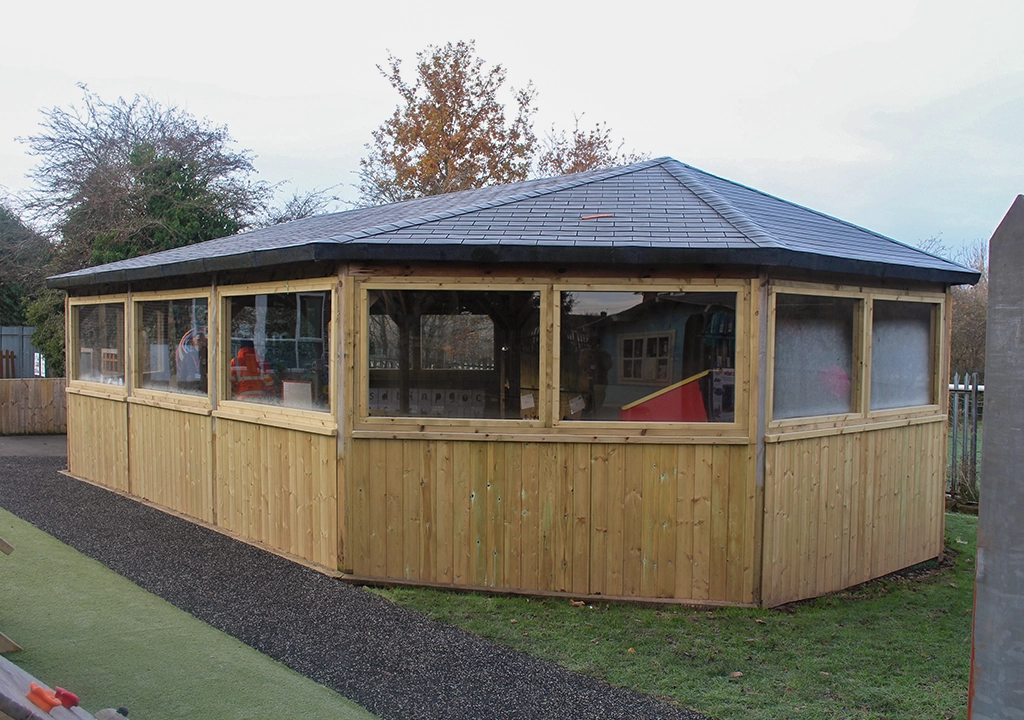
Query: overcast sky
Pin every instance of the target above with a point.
(903, 117)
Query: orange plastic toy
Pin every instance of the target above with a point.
(41, 697)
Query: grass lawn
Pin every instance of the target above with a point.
(88, 629)
(898, 647)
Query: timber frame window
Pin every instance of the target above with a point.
(171, 349)
(277, 350)
(849, 355)
(97, 342)
(903, 356)
(650, 354)
(617, 358)
(463, 352)
(646, 357)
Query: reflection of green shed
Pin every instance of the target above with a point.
(439, 391)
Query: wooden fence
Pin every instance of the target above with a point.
(7, 369)
(33, 406)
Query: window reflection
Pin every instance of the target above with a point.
(173, 346)
(279, 349)
(648, 356)
(457, 354)
(100, 336)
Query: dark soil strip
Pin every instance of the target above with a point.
(395, 662)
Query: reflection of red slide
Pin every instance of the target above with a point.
(681, 402)
(250, 377)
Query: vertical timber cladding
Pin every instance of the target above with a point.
(171, 455)
(278, 486)
(30, 406)
(843, 509)
(98, 439)
(612, 519)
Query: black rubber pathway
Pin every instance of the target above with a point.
(394, 662)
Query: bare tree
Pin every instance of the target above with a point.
(302, 205)
(581, 150)
(970, 314)
(969, 310)
(123, 178)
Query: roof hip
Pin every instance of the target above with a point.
(687, 175)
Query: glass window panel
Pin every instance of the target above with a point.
(901, 355)
(457, 342)
(100, 336)
(172, 346)
(279, 347)
(813, 355)
(456, 354)
(625, 356)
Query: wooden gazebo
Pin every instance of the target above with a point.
(644, 382)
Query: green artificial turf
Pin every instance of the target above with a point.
(898, 647)
(87, 629)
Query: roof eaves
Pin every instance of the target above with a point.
(660, 254)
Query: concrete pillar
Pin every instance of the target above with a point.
(997, 661)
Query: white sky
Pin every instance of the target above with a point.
(904, 117)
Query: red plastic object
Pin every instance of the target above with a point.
(41, 697)
(680, 404)
(67, 698)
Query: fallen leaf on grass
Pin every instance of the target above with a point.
(825, 673)
(577, 603)
(513, 621)
(631, 650)
(759, 622)
(736, 674)
(953, 585)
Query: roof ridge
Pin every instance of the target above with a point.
(563, 183)
(729, 212)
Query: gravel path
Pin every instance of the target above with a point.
(395, 662)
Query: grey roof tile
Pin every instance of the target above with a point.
(661, 211)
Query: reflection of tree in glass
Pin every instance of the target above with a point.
(383, 342)
(243, 319)
(281, 316)
(457, 342)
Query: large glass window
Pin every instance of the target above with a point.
(814, 341)
(280, 346)
(172, 346)
(453, 353)
(901, 355)
(648, 356)
(99, 332)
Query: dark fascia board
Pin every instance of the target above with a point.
(490, 254)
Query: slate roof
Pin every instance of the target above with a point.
(654, 212)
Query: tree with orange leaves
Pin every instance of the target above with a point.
(451, 132)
